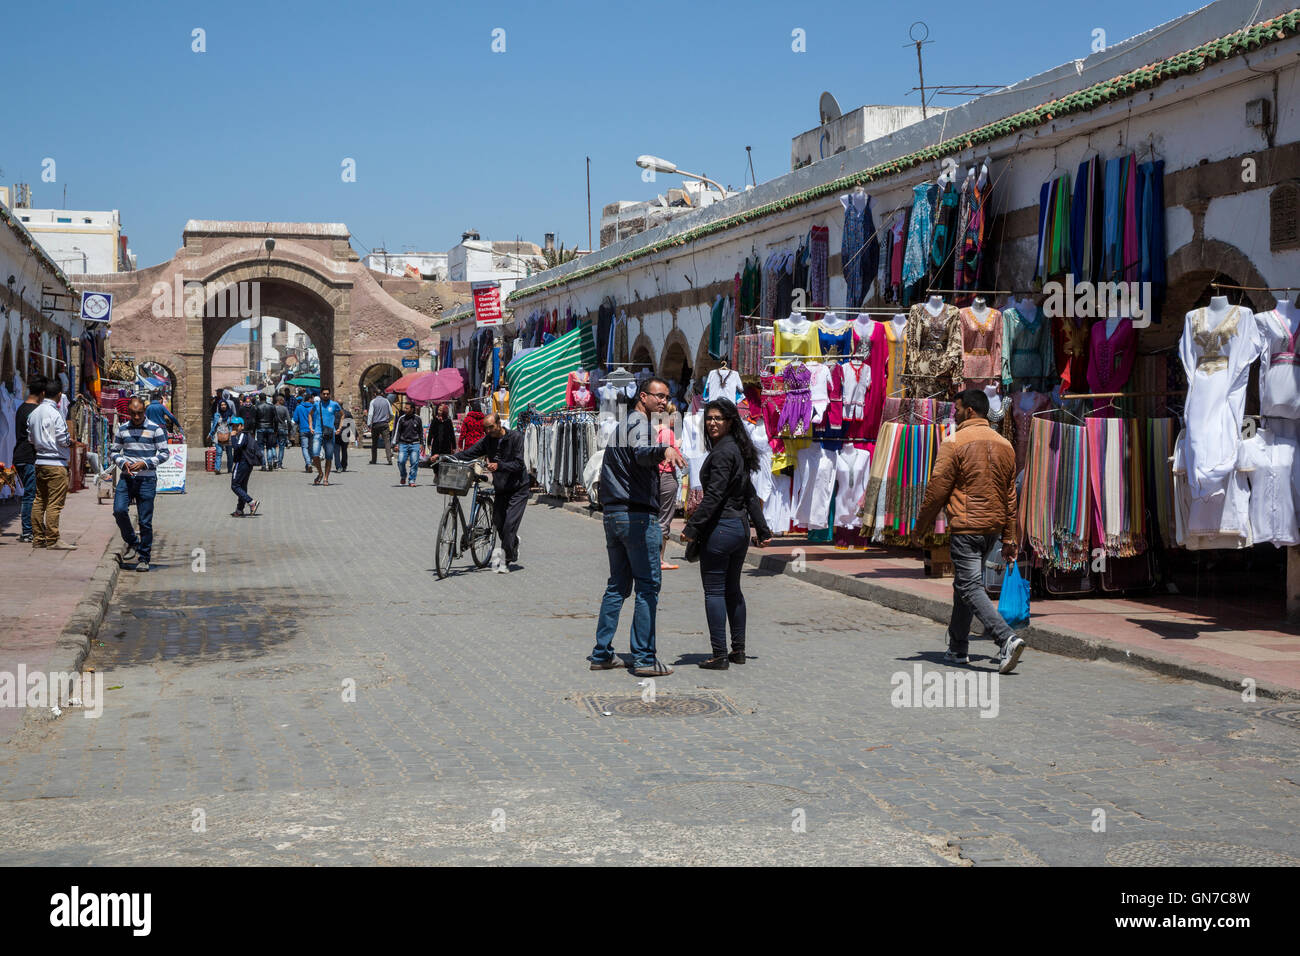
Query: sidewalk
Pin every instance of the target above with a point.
(1214, 641)
(52, 602)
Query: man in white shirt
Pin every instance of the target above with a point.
(378, 418)
(49, 436)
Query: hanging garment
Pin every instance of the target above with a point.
(934, 359)
(796, 336)
(981, 347)
(1116, 486)
(1151, 235)
(971, 231)
(1217, 350)
(762, 477)
(1070, 341)
(1279, 366)
(835, 338)
(819, 380)
(1111, 356)
(1268, 460)
(1055, 498)
(797, 412)
(778, 510)
(1026, 349)
(852, 468)
(1023, 408)
(814, 482)
(715, 328)
(723, 383)
(916, 258)
(819, 266)
(859, 247)
(1085, 221)
(944, 245)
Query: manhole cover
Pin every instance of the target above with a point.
(703, 704)
(732, 798)
(1194, 853)
(1283, 715)
(271, 673)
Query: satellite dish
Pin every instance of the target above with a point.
(829, 109)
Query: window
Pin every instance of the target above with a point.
(87, 220)
(64, 219)
(27, 218)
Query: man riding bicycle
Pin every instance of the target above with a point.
(504, 451)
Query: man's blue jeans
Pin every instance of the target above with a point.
(408, 451)
(281, 444)
(28, 475)
(306, 440)
(632, 545)
(141, 490)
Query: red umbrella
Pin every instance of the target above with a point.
(438, 386)
(405, 381)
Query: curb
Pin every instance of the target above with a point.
(1054, 640)
(73, 646)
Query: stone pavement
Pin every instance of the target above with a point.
(40, 590)
(299, 688)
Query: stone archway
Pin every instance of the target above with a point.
(1189, 271)
(643, 354)
(375, 379)
(309, 276)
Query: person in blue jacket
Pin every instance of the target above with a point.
(302, 418)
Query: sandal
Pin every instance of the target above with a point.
(668, 567)
(317, 480)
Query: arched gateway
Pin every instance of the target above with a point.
(304, 272)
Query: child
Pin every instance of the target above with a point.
(244, 454)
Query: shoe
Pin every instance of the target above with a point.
(1010, 655)
(38, 544)
(737, 656)
(952, 657)
(24, 539)
(608, 665)
(61, 546)
(654, 670)
(720, 663)
(236, 514)
(142, 566)
(130, 553)
(254, 505)
(306, 469)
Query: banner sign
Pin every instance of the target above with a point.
(487, 303)
(171, 473)
(410, 363)
(406, 344)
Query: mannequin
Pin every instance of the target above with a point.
(1289, 312)
(982, 333)
(1279, 374)
(934, 306)
(833, 322)
(864, 325)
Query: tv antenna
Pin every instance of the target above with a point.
(919, 33)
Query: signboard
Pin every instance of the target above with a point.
(171, 473)
(410, 363)
(96, 306)
(487, 303)
(407, 344)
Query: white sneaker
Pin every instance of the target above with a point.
(1010, 654)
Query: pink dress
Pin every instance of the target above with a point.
(1110, 358)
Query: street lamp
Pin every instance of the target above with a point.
(663, 166)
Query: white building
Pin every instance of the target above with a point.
(423, 265)
(80, 241)
(481, 260)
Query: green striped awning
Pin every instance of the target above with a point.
(540, 377)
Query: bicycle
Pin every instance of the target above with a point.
(456, 535)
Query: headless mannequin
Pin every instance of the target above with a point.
(858, 197)
(1026, 307)
(832, 322)
(863, 325)
(796, 324)
(935, 305)
(899, 322)
(1289, 313)
(980, 307)
(1218, 309)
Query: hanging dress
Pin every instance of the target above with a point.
(934, 359)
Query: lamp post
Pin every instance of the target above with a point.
(663, 166)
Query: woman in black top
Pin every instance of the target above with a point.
(442, 435)
(721, 523)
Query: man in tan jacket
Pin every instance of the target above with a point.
(975, 478)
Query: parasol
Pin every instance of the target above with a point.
(439, 386)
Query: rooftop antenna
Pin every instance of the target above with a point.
(919, 32)
(749, 152)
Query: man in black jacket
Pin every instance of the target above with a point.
(264, 420)
(629, 499)
(244, 454)
(504, 450)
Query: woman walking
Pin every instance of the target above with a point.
(721, 526)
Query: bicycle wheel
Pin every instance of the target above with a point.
(445, 551)
(482, 536)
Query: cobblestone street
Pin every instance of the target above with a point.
(473, 738)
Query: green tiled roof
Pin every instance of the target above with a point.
(1145, 77)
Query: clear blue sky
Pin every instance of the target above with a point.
(448, 135)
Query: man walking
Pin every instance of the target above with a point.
(245, 454)
(378, 417)
(442, 434)
(264, 417)
(408, 436)
(975, 478)
(504, 450)
(281, 430)
(325, 416)
(157, 413)
(49, 436)
(629, 498)
(139, 447)
(25, 454)
(345, 436)
(302, 419)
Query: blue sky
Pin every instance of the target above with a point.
(448, 135)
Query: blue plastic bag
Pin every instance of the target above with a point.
(1013, 604)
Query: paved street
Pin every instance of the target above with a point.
(227, 737)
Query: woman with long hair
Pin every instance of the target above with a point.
(721, 526)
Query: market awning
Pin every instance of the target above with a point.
(540, 377)
(402, 383)
(306, 381)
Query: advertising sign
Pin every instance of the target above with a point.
(171, 473)
(487, 303)
(96, 306)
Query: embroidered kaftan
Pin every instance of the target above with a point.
(934, 359)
